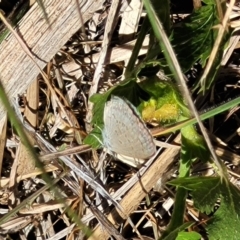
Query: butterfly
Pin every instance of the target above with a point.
(125, 135)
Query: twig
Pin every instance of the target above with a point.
(110, 26)
(222, 29)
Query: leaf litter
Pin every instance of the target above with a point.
(113, 199)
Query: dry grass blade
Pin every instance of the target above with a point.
(105, 223)
(130, 21)
(28, 200)
(44, 42)
(133, 197)
(222, 28)
(82, 172)
(234, 40)
(44, 207)
(25, 162)
(64, 233)
(120, 53)
(54, 96)
(3, 130)
(50, 168)
(110, 26)
(72, 150)
(16, 223)
(32, 98)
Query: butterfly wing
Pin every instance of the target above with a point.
(124, 132)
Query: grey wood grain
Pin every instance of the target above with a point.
(17, 70)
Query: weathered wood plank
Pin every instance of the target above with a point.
(17, 71)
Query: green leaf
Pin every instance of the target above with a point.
(194, 144)
(209, 2)
(163, 13)
(225, 222)
(194, 39)
(173, 234)
(165, 103)
(205, 115)
(188, 236)
(204, 190)
(94, 138)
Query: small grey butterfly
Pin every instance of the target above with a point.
(125, 135)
